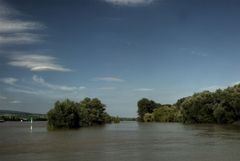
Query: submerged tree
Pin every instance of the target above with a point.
(63, 115)
(69, 114)
(221, 106)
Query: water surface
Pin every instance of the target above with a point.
(120, 142)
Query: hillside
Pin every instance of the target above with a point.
(10, 115)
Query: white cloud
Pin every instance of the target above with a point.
(37, 63)
(109, 79)
(144, 89)
(236, 83)
(81, 87)
(9, 80)
(25, 91)
(42, 82)
(16, 30)
(16, 102)
(9, 26)
(20, 38)
(129, 2)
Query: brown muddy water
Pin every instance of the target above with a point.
(127, 141)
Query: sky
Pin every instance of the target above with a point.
(116, 50)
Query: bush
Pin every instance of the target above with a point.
(166, 114)
(148, 117)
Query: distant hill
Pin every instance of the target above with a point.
(13, 112)
(10, 115)
(18, 112)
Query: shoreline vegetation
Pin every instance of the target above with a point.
(221, 107)
(68, 114)
(8, 115)
(218, 107)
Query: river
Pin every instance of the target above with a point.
(127, 141)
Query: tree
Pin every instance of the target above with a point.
(63, 115)
(69, 114)
(221, 106)
(198, 108)
(145, 106)
(96, 110)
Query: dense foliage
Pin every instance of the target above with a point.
(221, 106)
(7, 115)
(167, 114)
(70, 114)
(149, 111)
(145, 106)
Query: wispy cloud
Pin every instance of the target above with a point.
(9, 80)
(143, 89)
(25, 91)
(42, 82)
(3, 98)
(129, 2)
(14, 25)
(109, 79)
(200, 54)
(20, 38)
(15, 102)
(16, 87)
(6, 10)
(107, 88)
(196, 52)
(37, 63)
(16, 30)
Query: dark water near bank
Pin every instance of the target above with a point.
(127, 141)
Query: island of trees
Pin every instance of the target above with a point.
(70, 114)
(221, 106)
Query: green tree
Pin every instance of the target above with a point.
(221, 106)
(63, 115)
(167, 114)
(145, 106)
(69, 114)
(96, 110)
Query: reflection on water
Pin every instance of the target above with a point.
(120, 142)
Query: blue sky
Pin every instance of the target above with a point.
(116, 50)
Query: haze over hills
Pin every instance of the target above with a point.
(18, 112)
(10, 115)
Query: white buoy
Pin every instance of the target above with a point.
(31, 124)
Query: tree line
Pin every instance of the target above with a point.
(70, 114)
(221, 106)
(149, 111)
